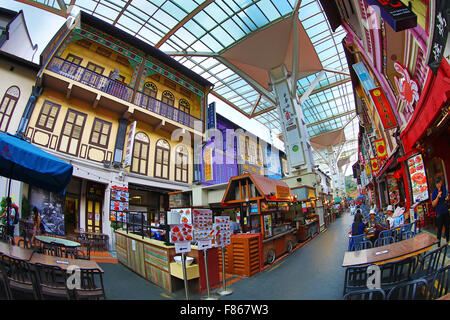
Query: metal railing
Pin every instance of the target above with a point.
(122, 91)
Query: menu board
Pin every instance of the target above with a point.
(177, 216)
(394, 192)
(119, 198)
(203, 224)
(222, 228)
(181, 233)
(418, 178)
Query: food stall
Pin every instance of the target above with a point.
(264, 206)
(306, 220)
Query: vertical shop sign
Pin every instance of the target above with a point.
(383, 108)
(222, 227)
(418, 178)
(364, 76)
(408, 88)
(396, 14)
(208, 164)
(440, 34)
(394, 193)
(130, 143)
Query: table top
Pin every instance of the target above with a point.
(383, 254)
(53, 261)
(15, 251)
(64, 242)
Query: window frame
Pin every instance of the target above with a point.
(181, 153)
(165, 100)
(164, 151)
(77, 113)
(96, 66)
(103, 123)
(140, 142)
(44, 127)
(71, 55)
(12, 99)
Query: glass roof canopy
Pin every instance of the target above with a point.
(195, 32)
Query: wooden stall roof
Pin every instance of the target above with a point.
(270, 189)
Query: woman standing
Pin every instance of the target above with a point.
(36, 225)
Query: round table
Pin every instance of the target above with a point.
(63, 242)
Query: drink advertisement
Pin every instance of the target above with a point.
(418, 178)
(222, 228)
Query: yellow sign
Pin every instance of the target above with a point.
(282, 193)
(381, 149)
(208, 164)
(311, 194)
(368, 172)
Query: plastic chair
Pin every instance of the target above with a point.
(91, 285)
(354, 240)
(430, 263)
(440, 284)
(361, 245)
(355, 279)
(368, 294)
(383, 241)
(396, 272)
(411, 290)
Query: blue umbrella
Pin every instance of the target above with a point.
(20, 160)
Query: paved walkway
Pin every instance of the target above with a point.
(312, 272)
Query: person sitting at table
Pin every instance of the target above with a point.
(358, 227)
(390, 219)
(36, 225)
(374, 224)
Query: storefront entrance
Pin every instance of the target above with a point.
(72, 206)
(154, 202)
(94, 206)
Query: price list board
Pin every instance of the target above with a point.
(222, 228)
(203, 224)
(119, 204)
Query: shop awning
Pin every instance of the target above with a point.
(23, 161)
(268, 189)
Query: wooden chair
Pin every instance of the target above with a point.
(52, 282)
(52, 249)
(368, 294)
(91, 285)
(21, 278)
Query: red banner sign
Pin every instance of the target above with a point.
(375, 165)
(383, 108)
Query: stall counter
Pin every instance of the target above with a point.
(153, 260)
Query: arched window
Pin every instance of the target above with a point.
(181, 164)
(184, 106)
(141, 147)
(9, 102)
(168, 98)
(162, 158)
(150, 89)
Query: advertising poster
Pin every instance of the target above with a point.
(222, 228)
(181, 233)
(418, 178)
(51, 206)
(394, 193)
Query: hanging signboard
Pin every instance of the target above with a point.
(383, 108)
(408, 88)
(418, 178)
(395, 13)
(381, 149)
(289, 125)
(119, 200)
(375, 165)
(364, 76)
(129, 146)
(440, 34)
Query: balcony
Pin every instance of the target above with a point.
(123, 92)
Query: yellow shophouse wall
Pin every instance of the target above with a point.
(45, 138)
(154, 137)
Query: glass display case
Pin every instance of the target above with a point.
(277, 217)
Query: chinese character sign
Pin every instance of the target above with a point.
(440, 34)
(383, 108)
